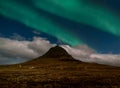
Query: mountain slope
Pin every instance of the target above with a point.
(56, 53)
(50, 71)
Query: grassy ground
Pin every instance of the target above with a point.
(53, 73)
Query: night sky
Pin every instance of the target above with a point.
(94, 23)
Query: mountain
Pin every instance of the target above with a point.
(58, 69)
(54, 54)
(58, 53)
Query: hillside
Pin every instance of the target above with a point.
(54, 53)
(58, 69)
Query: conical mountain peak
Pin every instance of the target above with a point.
(57, 52)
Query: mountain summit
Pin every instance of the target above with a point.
(54, 55)
(58, 52)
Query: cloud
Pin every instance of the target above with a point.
(108, 59)
(36, 32)
(80, 52)
(40, 45)
(16, 36)
(15, 51)
(10, 60)
(12, 50)
(86, 54)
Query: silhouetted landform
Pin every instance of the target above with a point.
(58, 53)
(49, 71)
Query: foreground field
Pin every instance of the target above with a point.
(54, 73)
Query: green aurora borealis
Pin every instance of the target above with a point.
(32, 18)
(81, 11)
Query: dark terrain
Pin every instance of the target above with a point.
(58, 69)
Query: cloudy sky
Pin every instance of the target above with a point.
(28, 28)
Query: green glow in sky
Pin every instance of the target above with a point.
(76, 10)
